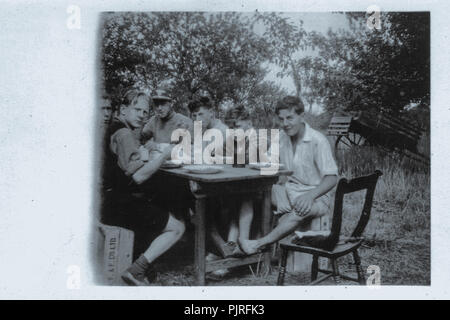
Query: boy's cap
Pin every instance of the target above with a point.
(161, 95)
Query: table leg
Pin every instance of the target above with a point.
(266, 226)
(200, 266)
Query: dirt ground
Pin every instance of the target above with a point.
(401, 262)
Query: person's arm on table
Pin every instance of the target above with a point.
(147, 170)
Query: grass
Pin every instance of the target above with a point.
(400, 264)
(401, 207)
(398, 231)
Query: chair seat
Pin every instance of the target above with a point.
(338, 251)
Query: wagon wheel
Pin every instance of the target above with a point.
(349, 141)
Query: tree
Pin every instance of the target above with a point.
(217, 53)
(357, 69)
(284, 39)
(378, 70)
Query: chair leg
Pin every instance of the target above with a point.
(336, 277)
(314, 268)
(359, 271)
(284, 254)
(274, 250)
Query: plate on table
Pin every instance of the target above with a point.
(203, 169)
(260, 165)
(171, 164)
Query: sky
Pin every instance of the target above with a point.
(312, 21)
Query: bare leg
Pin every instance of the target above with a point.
(217, 218)
(243, 229)
(216, 237)
(229, 211)
(171, 234)
(233, 233)
(286, 225)
(245, 219)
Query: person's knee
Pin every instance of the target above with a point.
(293, 217)
(180, 228)
(318, 210)
(176, 226)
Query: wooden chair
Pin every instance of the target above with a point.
(328, 246)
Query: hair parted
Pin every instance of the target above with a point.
(130, 97)
(239, 113)
(290, 102)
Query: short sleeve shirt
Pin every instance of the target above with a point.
(313, 159)
(125, 145)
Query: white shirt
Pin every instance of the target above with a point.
(313, 159)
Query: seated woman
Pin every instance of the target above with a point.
(130, 207)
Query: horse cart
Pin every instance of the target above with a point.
(382, 130)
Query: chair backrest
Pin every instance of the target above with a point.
(344, 187)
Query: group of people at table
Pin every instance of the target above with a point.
(132, 196)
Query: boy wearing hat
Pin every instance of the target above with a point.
(165, 121)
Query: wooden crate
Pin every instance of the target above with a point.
(115, 250)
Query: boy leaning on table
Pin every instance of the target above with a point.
(131, 206)
(305, 194)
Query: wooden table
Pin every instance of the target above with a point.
(230, 181)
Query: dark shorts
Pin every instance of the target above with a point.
(175, 196)
(138, 214)
(146, 218)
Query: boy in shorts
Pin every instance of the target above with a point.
(305, 194)
(131, 207)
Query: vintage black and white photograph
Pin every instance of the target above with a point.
(263, 149)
